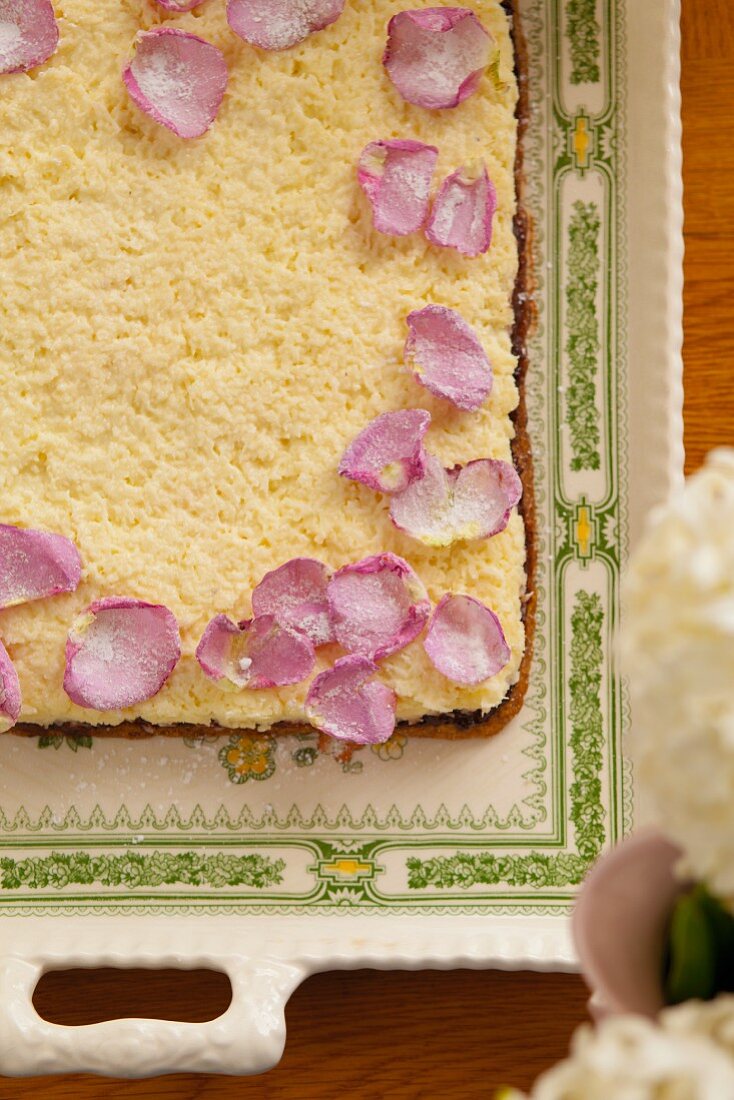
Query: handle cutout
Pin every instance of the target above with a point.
(77, 997)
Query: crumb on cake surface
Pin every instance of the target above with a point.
(191, 334)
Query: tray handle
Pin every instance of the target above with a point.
(248, 1038)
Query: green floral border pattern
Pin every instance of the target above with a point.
(587, 730)
(583, 34)
(135, 869)
(466, 869)
(582, 345)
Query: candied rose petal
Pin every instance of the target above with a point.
(388, 454)
(216, 652)
(280, 24)
(9, 691)
(435, 57)
(295, 594)
(468, 502)
(462, 212)
(446, 357)
(35, 564)
(396, 178)
(465, 640)
(182, 6)
(29, 34)
(120, 652)
(378, 606)
(346, 704)
(177, 79)
(256, 653)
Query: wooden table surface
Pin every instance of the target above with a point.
(459, 1034)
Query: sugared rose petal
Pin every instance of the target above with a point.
(279, 24)
(35, 564)
(389, 453)
(29, 34)
(465, 641)
(120, 652)
(435, 57)
(257, 653)
(183, 5)
(396, 178)
(462, 212)
(295, 595)
(447, 358)
(377, 606)
(346, 704)
(177, 79)
(468, 502)
(9, 691)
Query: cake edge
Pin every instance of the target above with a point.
(458, 724)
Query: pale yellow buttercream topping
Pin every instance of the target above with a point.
(192, 332)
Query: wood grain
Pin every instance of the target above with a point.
(708, 178)
(461, 1034)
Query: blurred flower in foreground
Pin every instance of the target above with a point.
(687, 1055)
(678, 651)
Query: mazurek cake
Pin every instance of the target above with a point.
(263, 455)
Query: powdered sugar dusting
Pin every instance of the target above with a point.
(344, 702)
(377, 606)
(28, 34)
(256, 653)
(468, 502)
(11, 43)
(35, 565)
(388, 454)
(396, 177)
(436, 57)
(120, 652)
(462, 213)
(280, 24)
(10, 699)
(295, 594)
(465, 640)
(178, 79)
(447, 357)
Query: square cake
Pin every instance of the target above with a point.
(195, 330)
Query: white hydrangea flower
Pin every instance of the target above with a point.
(678, 650)
(632, 1058)
(711, 1019)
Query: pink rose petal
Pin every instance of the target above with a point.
(345, 704)
(447, 358)
(120, 652)
(377, 606)
(435, 57)
(9, 691)
(388, 454)
(462, 212)
(177, 79)
(468, 502)
(396, 178)
(29, 34)
(280, 24)
(35, 564)
(180, 5)
(295, 594)
(465, 641)
(258, 653)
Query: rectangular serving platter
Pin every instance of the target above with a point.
(270, 858)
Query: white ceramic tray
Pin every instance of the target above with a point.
(270, 861)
